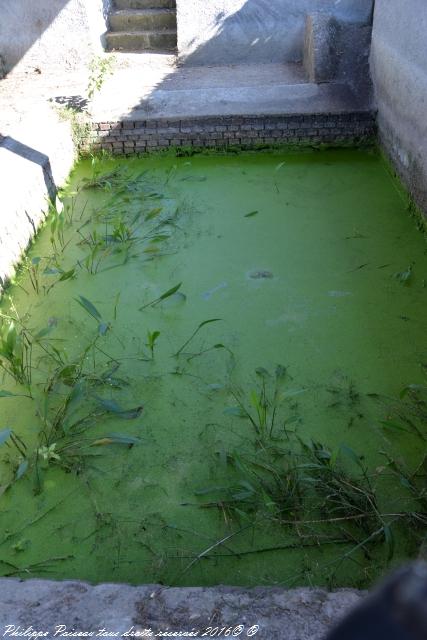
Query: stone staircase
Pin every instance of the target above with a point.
(143, 25)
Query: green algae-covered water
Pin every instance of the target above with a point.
(213, 373)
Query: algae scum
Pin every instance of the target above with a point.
(213, 373)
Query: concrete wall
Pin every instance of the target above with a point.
(36, 157)
(229, 31)
(37, 154)
(51, 34)
(399, 71)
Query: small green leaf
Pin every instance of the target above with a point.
(152, 337)
(89, 307)
(103, 328)
(153, 213)
(45, 331)
(68, 275)
(116, 438)
(160, 238)
(164, 296)
(11, 337)
(170, 292)
(68, 374)
(202, 324)
(125, 414)
(389, 424)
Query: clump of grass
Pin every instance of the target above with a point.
(69, 407)
(307, 491)
(315, 495)
(261, 406)
(70, 403)
(408, 413)
(106, 181)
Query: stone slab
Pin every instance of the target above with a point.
(266, 613)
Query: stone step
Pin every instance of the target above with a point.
(142, 20)
(145, 4)
(142, 40)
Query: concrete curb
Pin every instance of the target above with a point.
(267, 613)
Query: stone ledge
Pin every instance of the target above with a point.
(296, 614)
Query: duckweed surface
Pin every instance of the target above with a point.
(213, 372)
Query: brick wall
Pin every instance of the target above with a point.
(139, 136)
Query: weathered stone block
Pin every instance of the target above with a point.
(320, 56)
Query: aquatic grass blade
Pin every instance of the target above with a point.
(67, 275)
(200, 326)
(153, 214)
(116, 438)
(89, 307)
(9, 394)
(125, 414)
(164, 296)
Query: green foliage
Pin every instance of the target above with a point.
(107, 180)
(94, 313)
(100, 67)
(317, 495)
(195, 332)
(152, 337)
(164, 296)
(261, 405)
(80, 126)
(16, 347)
